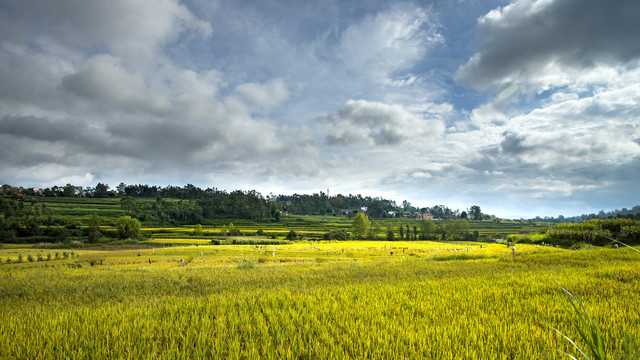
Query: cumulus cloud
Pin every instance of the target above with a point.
(385, 46)
(98, 87)
(374, 123)
(512, 143)
(568, 147)
(264, 96)
(132, 29)
(552, 42)
(103, 79)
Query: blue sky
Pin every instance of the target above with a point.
(524, 108)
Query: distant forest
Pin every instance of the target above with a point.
(212, 202)
(633, 213)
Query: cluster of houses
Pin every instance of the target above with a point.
(422, 216)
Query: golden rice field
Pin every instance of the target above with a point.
(313, 300)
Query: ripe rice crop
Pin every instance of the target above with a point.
(326, 300)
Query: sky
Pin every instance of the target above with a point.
(524, 108)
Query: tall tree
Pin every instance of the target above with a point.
(360, 225)
(128, 204)
(101, 190)
(475, 212)
(428, 229)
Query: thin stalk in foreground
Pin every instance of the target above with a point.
(586, 327)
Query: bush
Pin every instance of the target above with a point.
(595, 232)
(260, 242)
(128, 227)
(336, 235)
(197, 230)
(292, 235)
(390, 235)
(582, 246)
(58, 234)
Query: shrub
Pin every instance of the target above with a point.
(260, 242)
(197, 230)
(390, 235)
(292, 235)
(128, 227)
(336, 235)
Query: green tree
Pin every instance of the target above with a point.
(197, 230)
(128, 227)
(428, 229)
(372, 232)
(94, 235)
(457, 229)
(475, 212)
(390, 235)
(292, 235)
(69, 190)
(360, 225)
(101, 191)
(128, 204)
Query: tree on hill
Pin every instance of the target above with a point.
(128, 204)
(475, 212)
(128, 227)
(457, 229)
(361, 224)
(428, 230)
(101, 190)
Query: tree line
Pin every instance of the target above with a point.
(633, 214)
(199, 204)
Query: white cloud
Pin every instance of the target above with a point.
(263, 96)
(541, 44)
(132, 30)
(385, 46)
(374, 123)
(104, 79)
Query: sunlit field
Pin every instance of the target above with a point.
(352, 299)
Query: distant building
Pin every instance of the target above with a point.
(427, 216)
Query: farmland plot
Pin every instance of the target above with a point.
(314, 300)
